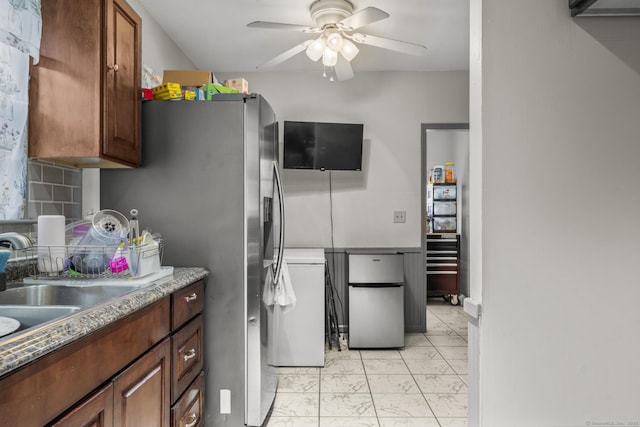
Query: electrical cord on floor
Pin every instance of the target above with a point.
(333, 253)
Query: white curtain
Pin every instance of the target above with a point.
(20, 31)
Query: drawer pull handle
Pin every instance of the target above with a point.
(191, 297)
(189, 354)
(192, 420)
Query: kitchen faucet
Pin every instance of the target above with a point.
(15, 241)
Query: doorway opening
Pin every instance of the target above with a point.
(445, 213)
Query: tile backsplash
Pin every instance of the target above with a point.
(52, 189)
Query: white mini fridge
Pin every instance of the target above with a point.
(300, 330)
(376, 300)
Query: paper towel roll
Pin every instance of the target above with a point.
(51, 241)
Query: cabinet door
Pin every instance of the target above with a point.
(96, 411)
(141, 392)
(122, 100)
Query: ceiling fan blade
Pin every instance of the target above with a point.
(282, 26)
(363, 17)
(286, 55)
(399, 46)
(343, 70)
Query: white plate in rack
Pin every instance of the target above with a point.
(8, 325)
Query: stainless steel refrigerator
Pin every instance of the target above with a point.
(209, 184)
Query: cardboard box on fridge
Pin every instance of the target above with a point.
(193, 78)
(240, 84)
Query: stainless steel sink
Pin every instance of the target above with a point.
(56, 295)
(30, 315)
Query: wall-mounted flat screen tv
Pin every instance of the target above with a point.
(322, 146)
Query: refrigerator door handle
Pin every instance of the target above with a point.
(280, 258)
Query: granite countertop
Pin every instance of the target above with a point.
(21, 348)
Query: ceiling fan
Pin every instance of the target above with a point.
(336, 23)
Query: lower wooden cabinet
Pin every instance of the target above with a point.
(137, 397)
(141, 392)
(96, 411)
(161, 385)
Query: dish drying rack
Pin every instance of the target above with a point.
(71, 262)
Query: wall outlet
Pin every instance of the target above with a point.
(399, 216)
(225, 401)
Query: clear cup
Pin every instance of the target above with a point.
(95, 250)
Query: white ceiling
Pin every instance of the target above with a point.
(214, 35)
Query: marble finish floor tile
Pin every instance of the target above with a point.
(416, 340)
(440, 331)
(385, 366)
(440, 384)
(462, 331)
(453, 353)
(409, 422)
(453, 422)
(349, 422)
(427, 367)
(460, 366)
(447, 340)
(299, 371)
(342, 354)
(338, 383)
(448, 405)
(296, 405)
(293, 422)
(420, 353)
(292, 383)
(392, 384)
(401, 405)
(346, 405)
(380, 354)
(343, 366)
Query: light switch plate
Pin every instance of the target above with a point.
(399, 216)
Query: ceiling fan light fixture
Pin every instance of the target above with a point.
(329, 58)
(335, 41)
(349, 50)
(316, 49)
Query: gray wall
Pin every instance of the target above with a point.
(362, 203)
(555, 102)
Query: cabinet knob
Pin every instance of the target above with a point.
(191, 297)
(113, 67)
(189, 355)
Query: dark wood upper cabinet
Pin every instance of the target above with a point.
(84, 95)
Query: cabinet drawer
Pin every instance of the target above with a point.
(186, 303)
(444, 208)
(189, 409)
(186, 347)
